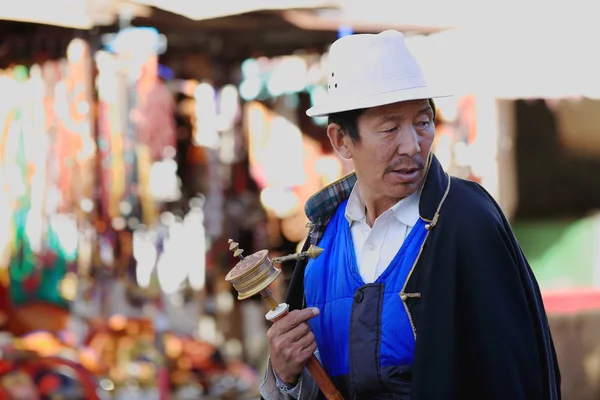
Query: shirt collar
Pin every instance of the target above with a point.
(406, 211)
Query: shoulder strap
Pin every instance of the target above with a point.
(295, 293)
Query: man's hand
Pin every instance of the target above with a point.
(292, 343)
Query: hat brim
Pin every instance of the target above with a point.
(382, 99)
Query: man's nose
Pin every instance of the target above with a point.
(408, 142)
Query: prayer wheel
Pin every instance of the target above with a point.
(252, 275)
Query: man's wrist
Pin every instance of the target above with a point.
(289, 381)
(286, 382)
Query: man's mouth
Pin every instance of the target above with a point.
(407, 171)
(406, 175)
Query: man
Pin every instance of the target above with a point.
(422, 290)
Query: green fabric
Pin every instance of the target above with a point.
(32, 279)
(28, 285)
(561, 253)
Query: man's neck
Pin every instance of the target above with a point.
(377, 206)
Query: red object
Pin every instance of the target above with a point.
(31, 283)
(5, 305)
(30, 365)
(571, 301)
(37, 317)
(48, 384)
(163, 384)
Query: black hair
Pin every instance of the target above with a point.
(348, 121)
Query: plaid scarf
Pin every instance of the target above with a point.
(322, 205)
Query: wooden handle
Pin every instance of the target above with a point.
(320, 376)
(316, 370)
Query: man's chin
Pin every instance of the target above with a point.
(405, 187)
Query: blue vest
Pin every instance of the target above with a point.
(365, 338)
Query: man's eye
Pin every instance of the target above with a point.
(423, 124)
(390, 130)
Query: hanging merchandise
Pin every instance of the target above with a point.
(136, 123)
(74, 146)
(215, 199)
(163, 183)
(111, 124)
(47, 156)
(174, 249)
(206, 128)
(274, 141)
(230, 113)
(36, 263)
(265, 78)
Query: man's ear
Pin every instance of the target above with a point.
(339, 141)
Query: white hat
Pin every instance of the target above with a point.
(370, 70)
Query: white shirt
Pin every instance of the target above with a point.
(375, 247)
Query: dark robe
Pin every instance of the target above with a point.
(481, 328)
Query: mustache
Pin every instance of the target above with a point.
(416, 162)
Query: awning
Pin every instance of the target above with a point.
(65, 13)
(200, 10)
(554, 60)
(75, 14)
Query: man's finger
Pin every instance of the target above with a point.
(309, 350)
(298, 331)
(305, 341)
(295, 318)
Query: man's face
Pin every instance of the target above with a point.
(391, 156)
